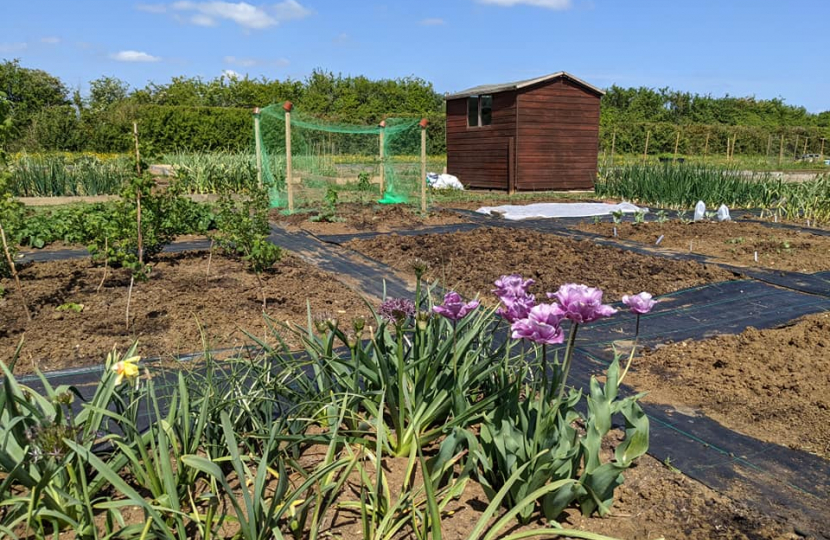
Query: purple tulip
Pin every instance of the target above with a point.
(582, 304)
(541, 325)
(516, 307)
(396, 310)
(639, 303)
(512, 286)
(454, 307)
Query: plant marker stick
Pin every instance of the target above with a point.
(615, 232)
(657, 243)
(756, 256)
(10, 261)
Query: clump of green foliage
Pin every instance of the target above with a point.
(328, 212)
(242, 229)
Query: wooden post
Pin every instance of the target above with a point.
(287, 106)
(795, 155)
(381, 155)
(511, 165)
(137, 155)
(645, 151)
(769, 147)
(706, 147)
(676, 145)
(423, 125)
(805, 145)
(781, 150)
(821, 152)
(13, 270)
(139, 235)
(613, 142)
(258, 148)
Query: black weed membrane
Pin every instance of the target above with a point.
(789, 484)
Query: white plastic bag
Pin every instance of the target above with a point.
(723, 213)
(700, 211)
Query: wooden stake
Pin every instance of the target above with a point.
(805, 146)
(769, 147)
(645, 151)
(795, 155)
(288, 165)
(137, 154)
(139, 235)
(10, 262)
(423, 167)
(210, 258)
(381, 157)
(613, 142)
(706, 147)
(821, 152)
(781, 150)
(258, 148)
(676, 145)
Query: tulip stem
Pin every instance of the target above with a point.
(633, 349)
(568, 354)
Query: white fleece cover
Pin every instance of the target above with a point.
(554, 210)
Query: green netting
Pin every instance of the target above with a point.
(327, 154)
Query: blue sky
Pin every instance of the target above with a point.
(761, 48)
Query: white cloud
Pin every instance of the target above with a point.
(13, 47)
(290, 10)
(342, 38)
(241, 13)
(433, 22)
(547, 4)
(201, 19)
(50, 40)
(134, 56)
(152, 8)
(231, 74)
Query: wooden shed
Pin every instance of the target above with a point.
(537, 134)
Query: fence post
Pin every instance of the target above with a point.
(382, 127)
(287, 106)
(645, 151)
(258, 148)
(769, 147)
(781, 150)
(676, 145)
(821, 152)
(613, 142)
(795, 154)
(423, 125)
(706, 146)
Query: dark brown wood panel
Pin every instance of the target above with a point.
(555, 126)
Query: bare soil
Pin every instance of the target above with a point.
(469, 262)
(166, 312)
(731, 242)
(357, 217)
(770, 384)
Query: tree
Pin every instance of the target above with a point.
(106, 92)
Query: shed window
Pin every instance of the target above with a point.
(479, 111)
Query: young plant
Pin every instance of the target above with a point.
(328, 213)
(243, 230)
(617, 216)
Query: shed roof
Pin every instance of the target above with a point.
(517, 85)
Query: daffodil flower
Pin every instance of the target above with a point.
(126, 368)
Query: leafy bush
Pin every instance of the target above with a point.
(243, 229)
